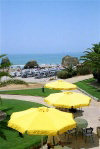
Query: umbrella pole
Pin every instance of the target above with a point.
(42, 142)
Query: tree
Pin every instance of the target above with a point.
(31, 64)
(2, 66)
(92, 59)
(5, 62)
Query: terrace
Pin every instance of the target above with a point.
(91, 114)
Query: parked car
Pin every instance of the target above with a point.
(13, 74)
(18, 74)
(24, 75)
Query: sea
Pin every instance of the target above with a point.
(22, 59)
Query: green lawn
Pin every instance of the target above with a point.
(13, 140)
(31, 92)
(86, 86)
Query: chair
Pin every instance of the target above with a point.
(88, 132)
(71, 132)
(60, 147)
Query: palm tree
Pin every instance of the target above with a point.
(92, 59)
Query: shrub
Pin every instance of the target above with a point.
(62, 74)
(2, 74)
(67, 73)
(12, 81)
(83, 69)
(70, 72)
(31, 64)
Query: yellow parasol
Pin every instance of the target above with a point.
(42, 121)
(68, 100)
(60, 85)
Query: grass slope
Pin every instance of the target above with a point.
(31, 92)
(13, 140)
(86, 86)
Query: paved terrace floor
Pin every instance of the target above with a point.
(91, 114)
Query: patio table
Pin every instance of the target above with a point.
(81, 123)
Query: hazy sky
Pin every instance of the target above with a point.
(48, 26)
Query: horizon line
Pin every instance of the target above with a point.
(43, 53)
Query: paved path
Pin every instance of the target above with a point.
(45, 80)
(36, 99)
(79, 78)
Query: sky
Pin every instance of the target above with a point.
(48, 26)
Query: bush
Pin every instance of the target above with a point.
(70, 72)
(83, 70)
(2, 74)
(31, 64)
(12, 81)
(67, 73)
(62, 74)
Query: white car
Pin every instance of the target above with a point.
(13, 74)
(18, 74)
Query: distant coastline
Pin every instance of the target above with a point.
(22, 59)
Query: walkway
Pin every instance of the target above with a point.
(79, 78)
(45, 80)
(36, 99)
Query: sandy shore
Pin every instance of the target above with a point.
(19, 87)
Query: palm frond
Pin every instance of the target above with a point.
(2, 55)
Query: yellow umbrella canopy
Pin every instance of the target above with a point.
(42, 121)
(60, 85)
(68, 100)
